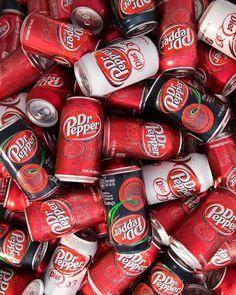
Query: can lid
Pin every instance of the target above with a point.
(41, 112)
(194, 289)
(141, 29)
(215, 278)
(12, 6)
(36, 287)
(230, 86)
(180, 72)
(159, 233)
(39, 254)
(81, 78)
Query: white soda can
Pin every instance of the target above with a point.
(217, 27)
(68, 265)
(117, 66)
(177, 178)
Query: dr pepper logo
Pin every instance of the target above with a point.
(217, 58)
(165, 282)
(22, 147)
(85, 125)
(51, 80)
(6, 275)
(221, 217)
(223, 256)
(71, 37)
(134, 6)
(68, 261)
(4, 28)
(173, 96)
(57, 216)
(66, 5)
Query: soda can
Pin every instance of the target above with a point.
(67, 267)
(206, 229)
(17, 249)
(113, 273)
(101, 230)
(124, 200)
(215, 70)
(45, 100)
(27, 161)
(65, 214)
(80, 140)
(177, 41)
(61, 42)
(135, 17)
(117, 66)
(18, 71)
(177, 178)
(91, 15)
(13, 6)
(217, 27)
(16, 218)
(201, 114)
(38, 6)
(134, 138)
(36, 287)
(3, 188)
(61, 9)
(111, 34)
(194, 289)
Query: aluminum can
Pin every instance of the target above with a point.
(124, 198)
(134, 138)
(80, 140)
(177, 178)
(68, 264)
(202, 114)
(91, 15)
(117, 66)
(199, 8)
(18, 250)
(45, 100)
(18, 71)
(15, 6)
(194, 289)
(3, 188)
(38, 6)
(36, 287)
(16, 218)
(177, 42)
(27, 161)
(61, 9)
(215, 70)
(54, 39)
(135, 17)
(217, 27)
(113, 273)
(101, 230)
(206, 229)
(65, 214)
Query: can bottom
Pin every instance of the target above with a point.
(76, 178)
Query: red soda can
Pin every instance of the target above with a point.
(206, 229)
(113, 272)
(27, 160)
(38, 6)
(80, 140)
(221, 156)
(177, 39)
(215, 70)
(3, 188)
(65, 214)
(18, 71)
(222, 281)
(55, 39)
(92, 15)
(199, 8)
(45, 100)
(133, 138)
(101, 230)
(17, 218)
(61, 9)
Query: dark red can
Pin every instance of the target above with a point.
(111, 35)
(80, 140)
(65, 214)
(91, 15)
(133, 138)
(215, 70)
(61, 9)
(3, 188)
(176, 37)
(45, 100)
(38, 6)
(55, 39)
(206, 229)
(17, 218)
(3, 172)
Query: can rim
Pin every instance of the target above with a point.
(163, 238)
(176, 72)
(39, 253)
(93, 286)
(212, 273)
(151, 25)
(179, 261)
(80, 77)
(7, 192)
(125, 169)
(76, 178)
(180, 142)
(203, 289)
(39, 286)
(230, 86)
(106, 136)
(83, 97)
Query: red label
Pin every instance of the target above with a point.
(142, 289)
(217, 58)
(72, 37)
(132, 264)
(57, 216)
(154, 140)
(6, 275)
(161, 188)
(66, 5)
(86, 125)
(175, 38)
(190, 203)
(173, 96)
(183, 182)
(22, 147)
(68, 261)
(223, 256)
(4, 28)
(165, 282)
(129, 229)
(221, 218)
(135, 6)
(51, 80)
(114, 64)
(229, 24)
(15, 246)
(231, 180)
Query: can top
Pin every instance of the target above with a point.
(230, 86)
(83, 97)
(141, 29)
(158, 231)
(194, 289)
(39, 254)
(36, 287)
(12, 6)
(215, 278)
(112, 166)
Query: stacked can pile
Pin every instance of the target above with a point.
(117, 147)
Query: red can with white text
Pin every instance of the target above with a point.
(61, 9)
(55, 39)
(206, 229)
(38, 6)
(80, 140)
(133, 138)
